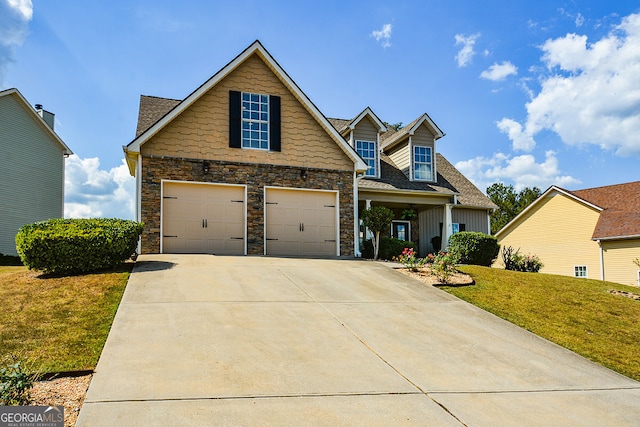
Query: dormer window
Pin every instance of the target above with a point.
(367, 150)
(422, 163)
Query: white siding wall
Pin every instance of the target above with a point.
(32, 173)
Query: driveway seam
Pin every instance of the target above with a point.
(368, 347)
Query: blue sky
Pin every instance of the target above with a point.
(528, 93)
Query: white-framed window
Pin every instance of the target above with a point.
(580, 271)
(422, 163)
(255, 121)
(367, 150)
(401, 230)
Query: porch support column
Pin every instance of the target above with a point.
(446, 226)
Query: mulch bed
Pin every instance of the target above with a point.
(68, 392)
(424, 275)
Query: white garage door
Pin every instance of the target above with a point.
(301, 222)
(203, 218)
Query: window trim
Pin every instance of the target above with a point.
(375, 158)
(414, 163)
(403, 221)
(577, 268)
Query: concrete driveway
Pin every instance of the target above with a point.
(206, 340)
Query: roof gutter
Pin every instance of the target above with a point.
(631, 236)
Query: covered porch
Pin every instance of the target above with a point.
(426, 218)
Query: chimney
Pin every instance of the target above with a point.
(47, 116)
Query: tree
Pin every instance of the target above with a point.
(395, 126)
(377, 219)
(510, 203)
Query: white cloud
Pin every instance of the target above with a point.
(466, 53)
(520, 140)
(93, 192)
(498, 72)
(23, 7)
(579, 20)
(14, 19)
(590, 93)
(522, 170)
(383, 35)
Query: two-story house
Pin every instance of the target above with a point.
(247, 164)
(31, 167)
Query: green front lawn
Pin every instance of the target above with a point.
(578, 314)
(57, 324)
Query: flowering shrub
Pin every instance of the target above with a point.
(514, 260)
(442, 265)
(409, 260)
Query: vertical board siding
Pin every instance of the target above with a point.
(558, 230)
(32, 170)
(430, 220)
(474, 219)
(618, 261)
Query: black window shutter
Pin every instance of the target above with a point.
(463, 227)
(274, 123)
(235, 119)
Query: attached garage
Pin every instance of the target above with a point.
(301, 222)
(203, 218)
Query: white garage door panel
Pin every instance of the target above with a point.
(301, 222)
(202, 218)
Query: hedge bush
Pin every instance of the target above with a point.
(474, 248)
(72, 246)
(389, 248)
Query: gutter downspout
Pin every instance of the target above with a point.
(601, 260)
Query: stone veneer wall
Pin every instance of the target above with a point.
(256, 177)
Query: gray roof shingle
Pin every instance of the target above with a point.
(152, 109)
(449, 181)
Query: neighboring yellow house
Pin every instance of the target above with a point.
(592, 233)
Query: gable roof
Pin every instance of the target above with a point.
(619, 207)
(393, 138)
(133, 148)
(343, 126)
(620, 204)
(36, 117)
(450, 181)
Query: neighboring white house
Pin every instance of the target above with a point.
(31, 167)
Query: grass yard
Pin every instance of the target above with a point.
(57, 323)
(578, 314)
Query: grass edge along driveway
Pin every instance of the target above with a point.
(56, 324)
(578, 314)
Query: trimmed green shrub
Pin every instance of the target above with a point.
(389, 248)
(474, 248)
(72, 246)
